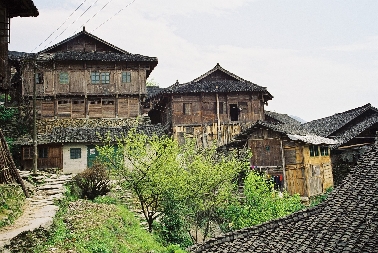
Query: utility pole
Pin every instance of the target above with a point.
(35, 155)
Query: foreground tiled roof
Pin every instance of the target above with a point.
(292, 131)
(282, 118)
(328, 125)
(346, 222)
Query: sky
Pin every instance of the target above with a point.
(316, 57)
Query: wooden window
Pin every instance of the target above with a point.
(105, 77)
(314, 150)
(63, 78)
(43, 152)
(75, 153)
(95, 77)
(126, 77)
(324, 151)
(28, 153)
(187, 108)
(38, 78)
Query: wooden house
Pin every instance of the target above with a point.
(10, 9)
(85, 77)
(83, 85)
(353, 129)
(69, 145)
(346, 221)
(298, 161)
(212, 107)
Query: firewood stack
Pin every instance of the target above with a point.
(8, 171)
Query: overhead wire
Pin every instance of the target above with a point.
(103, 7)
(73, 22)
(59, 26)
(114, 15)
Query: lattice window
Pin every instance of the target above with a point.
(126, 77)
(63, 78)
(75, 153)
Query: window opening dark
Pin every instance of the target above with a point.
(42, 153)
(234, 112)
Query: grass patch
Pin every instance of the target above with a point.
(100, 226)
(11, 203)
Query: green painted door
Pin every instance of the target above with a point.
(92, 154)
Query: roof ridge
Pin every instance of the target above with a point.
(85, 33)
(218, 67)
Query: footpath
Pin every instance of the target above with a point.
(39, 210)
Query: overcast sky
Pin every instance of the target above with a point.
(316, 57)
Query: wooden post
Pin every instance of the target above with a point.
(283, 166)
(218, 119)
(35, 155)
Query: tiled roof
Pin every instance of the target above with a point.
(292, 131)
(83, 32)
(214, 86)
(346, 222)
(326, 126)
(153, 90)
(354, 130)
(20, 8)
(203, 85)
(89, 134)
(216, 68)
(81, 56)
(282, 118)
(94, 56)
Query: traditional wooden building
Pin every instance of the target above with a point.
(347, 221)
(84, 87)
(353, 129)
(10, 9)
(69, 145)
(213, 106)
(299, 162)
(85, 77)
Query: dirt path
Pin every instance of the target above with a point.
(39, 210)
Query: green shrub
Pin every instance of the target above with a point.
(11, 203)
(93, 182)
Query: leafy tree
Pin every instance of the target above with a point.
(262, 203)
(211, 185)
(152, 82)
(146, 165)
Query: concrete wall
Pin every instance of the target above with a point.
(74, 165)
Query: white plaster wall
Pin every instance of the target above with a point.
(74, 165)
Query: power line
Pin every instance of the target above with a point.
(114, 15)
(95, 14)
(73, 22)
(60, 25)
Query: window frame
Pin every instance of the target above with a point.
(75, 153)
(126, 77)
(95, 77)
(64, 77)
(324, 151)
(38, 78)
(105, 77)
(43, 152)
(187, 108)
(314, 150)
